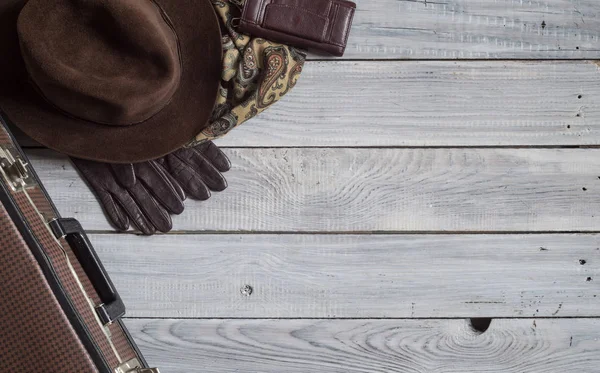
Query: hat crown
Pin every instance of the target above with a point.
(113, 62)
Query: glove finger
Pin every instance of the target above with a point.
(124, 174)
(186, 177)
(151, 209)
(156, 181)
(203, 169)
(132, 209)
(165, 168)
(114, 212)
(216, 156)
(178, 189)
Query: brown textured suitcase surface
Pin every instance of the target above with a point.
(43, 340)
(37, 210)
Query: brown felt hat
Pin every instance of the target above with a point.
(109, 80)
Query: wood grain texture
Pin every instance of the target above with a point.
(448, 29)
(369, 346)
(428, 103)
(374, 190)
(351, 276)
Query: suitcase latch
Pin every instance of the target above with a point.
(134, 366)
(14, 170)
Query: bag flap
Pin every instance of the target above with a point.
(296, 21)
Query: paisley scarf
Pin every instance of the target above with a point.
(256, 74)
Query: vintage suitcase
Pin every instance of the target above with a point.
(59, 311)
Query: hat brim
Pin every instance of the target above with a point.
(188, 113)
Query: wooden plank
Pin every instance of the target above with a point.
(374, 190)
(367, 346)
(433, 104)
(425, 103)
(449, 29)
(429, 103)
(353, 276)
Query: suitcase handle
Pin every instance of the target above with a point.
(112, 307)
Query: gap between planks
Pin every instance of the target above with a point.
(359, 318)
(339, 233)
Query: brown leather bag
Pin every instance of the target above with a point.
(60, 311)
(322, 25)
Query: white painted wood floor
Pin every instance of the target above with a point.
(445, 172)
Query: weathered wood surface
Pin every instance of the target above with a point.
(368, 346)
(351, 276)
(391, 298)
(428, 103)
(374, 190)
(448, 29)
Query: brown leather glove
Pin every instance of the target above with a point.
(143, 193)
(198, 169)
